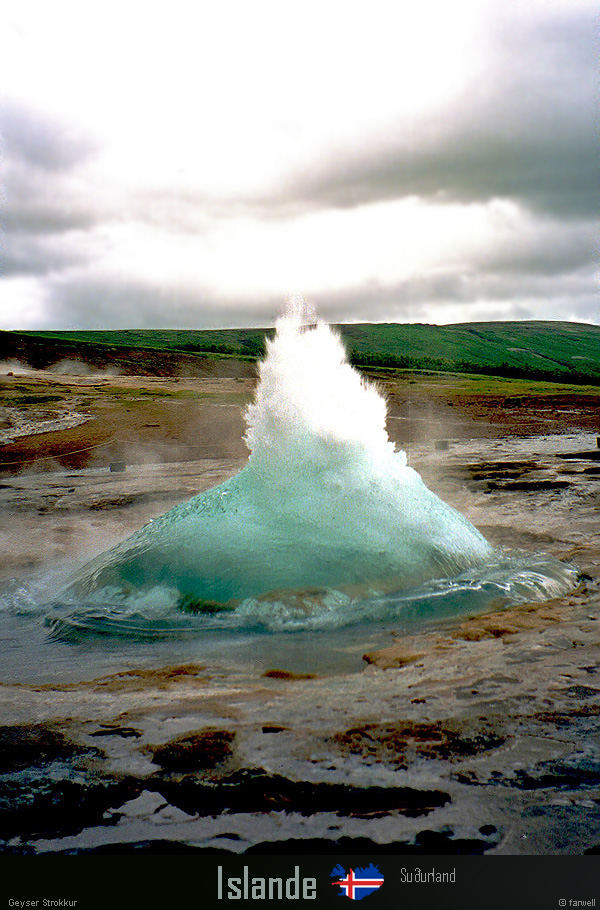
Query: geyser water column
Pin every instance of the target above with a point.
(324, 502)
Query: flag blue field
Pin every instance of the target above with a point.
(357, 883)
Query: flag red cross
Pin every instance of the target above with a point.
(350, 883)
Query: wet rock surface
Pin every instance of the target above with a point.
(489, 746)
(401, 743)
(195, 751)
(34, 744)
(255, 791)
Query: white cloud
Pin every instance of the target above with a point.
(195, 162)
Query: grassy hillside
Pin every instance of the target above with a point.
(226, 342)
(538, 350)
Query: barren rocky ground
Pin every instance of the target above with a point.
(473, 735)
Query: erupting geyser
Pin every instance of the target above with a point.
(325, 502)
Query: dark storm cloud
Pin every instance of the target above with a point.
(41, 157)
(39, 142)
(95, 301)
(476, 294)
(528, 133)
(551, 249)
(34, 204)
(43, 220)
(44, 200)
(26, 254)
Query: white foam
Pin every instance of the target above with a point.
(310, 400)
(325, 500)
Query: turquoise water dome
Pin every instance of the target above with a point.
(325, 501)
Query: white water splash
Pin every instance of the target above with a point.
(311, 403)
(324, 502)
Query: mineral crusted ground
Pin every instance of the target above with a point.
(478, 735)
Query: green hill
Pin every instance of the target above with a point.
(537, 349)
(566, 351)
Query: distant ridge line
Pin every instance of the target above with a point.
(536, 349)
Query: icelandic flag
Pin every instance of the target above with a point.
(358, 883)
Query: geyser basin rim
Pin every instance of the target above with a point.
(509, 578)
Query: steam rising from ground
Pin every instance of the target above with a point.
(80, 368)
(14, 367)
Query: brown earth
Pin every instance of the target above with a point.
(137, 420)
(144, 419)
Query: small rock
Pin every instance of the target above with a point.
(194, 751)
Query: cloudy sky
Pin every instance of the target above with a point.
(193, 163)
